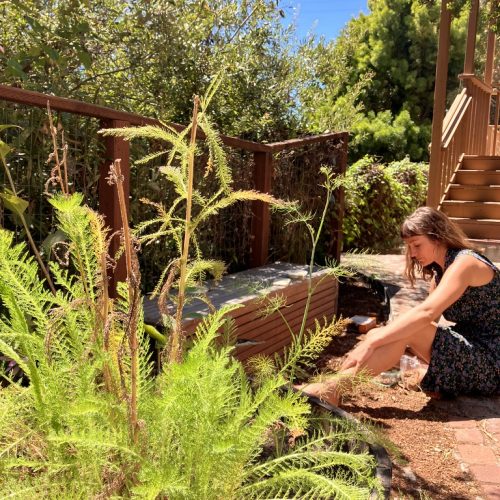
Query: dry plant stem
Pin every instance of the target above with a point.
(28, 234)
(104, 318)
(175, 353)
(53, 133)
(132, 331)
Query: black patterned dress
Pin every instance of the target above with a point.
(465, 358)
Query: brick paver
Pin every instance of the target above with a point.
(470, 436)
(475, 421)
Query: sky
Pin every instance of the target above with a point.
(323, 17)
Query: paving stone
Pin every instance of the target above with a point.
(462, 424)
(471, 436)
(489, 474)
(476, 454)
(492, 425)
(491, 491)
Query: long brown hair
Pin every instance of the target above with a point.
(427, 221)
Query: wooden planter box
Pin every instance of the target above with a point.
(256, 334)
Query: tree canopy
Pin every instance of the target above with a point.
(383, 70)
(375, 80)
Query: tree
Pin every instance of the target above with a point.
(151, 57)
(386, 62)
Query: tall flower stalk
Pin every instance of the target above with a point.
(134, 302)
(175, 348)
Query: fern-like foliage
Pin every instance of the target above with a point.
(94, 423)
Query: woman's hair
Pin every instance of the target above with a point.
(435, 225)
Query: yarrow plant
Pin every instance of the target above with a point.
(93, 421)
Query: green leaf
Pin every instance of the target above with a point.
(16, 69)
(14, 203)
(52, 239)
(5, 149)
(85, 59)
(53, 54)
(83, 27)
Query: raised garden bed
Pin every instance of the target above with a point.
(258, 334)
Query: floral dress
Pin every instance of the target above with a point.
(465, 358)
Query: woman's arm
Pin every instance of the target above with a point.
(453, 284)
(464, 272)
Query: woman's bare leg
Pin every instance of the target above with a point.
(382, 359)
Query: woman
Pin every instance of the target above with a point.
(465, 289)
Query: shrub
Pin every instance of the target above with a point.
(378, 198)
(93, 423)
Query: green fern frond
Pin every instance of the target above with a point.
(208, 329)
(231, 199)
(304, 484)
(217, 157)
(175, 175)
(314, 342)
(19, 279)
(150, 157)
(83, 230)
(261, 367)
(146, 132)
(198, 269)
(212, 89)
(271, 304)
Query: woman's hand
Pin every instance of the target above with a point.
(358, 356)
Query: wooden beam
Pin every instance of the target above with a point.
(490, 45)
(261, 220)
(471, 37)
(336, 229)
(434, 190)
(304, 141)
(115, 149)
(37, 99)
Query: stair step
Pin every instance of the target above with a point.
(481, 163)
(478, 177)
(473, 193)
(479, 228)
(472, 209)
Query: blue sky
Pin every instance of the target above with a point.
(323, 17)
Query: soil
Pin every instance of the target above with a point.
(424, 463)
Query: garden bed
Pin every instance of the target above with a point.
(425, 466)
(260, 333)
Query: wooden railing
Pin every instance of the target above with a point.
(466, 131)
(117, 148)
(493, 140)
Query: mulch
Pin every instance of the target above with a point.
(421, 446)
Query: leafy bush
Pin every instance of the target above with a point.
(389, 137)
(378, 198)
(94, 423)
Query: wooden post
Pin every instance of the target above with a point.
(495, 125)
(115, 148)
(336, 242)
(434, 191)
(471, 38)
(490, 46)
(261, 220)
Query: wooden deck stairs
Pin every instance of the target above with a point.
(464, 170)
(472, 198)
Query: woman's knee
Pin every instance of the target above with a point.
(421, 342)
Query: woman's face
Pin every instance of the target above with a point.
(423, 249)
